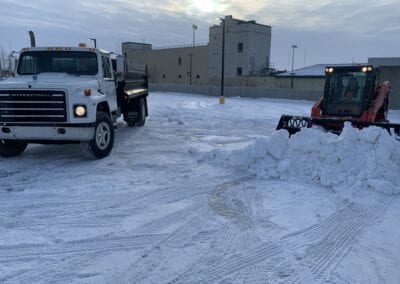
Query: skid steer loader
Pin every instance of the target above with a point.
(351, 93)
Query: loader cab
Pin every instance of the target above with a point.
(349, 90)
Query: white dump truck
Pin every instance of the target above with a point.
(70, 95)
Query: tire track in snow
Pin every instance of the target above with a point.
(160, 252)
(104, 211)
(321, 258)
(326, 244)
(221, 247)
(168, 220)
(144, 237)
(30, 252)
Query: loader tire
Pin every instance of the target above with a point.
(11, 148)
(102, 143)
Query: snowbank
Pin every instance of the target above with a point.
(368, 158)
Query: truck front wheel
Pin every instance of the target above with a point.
(102, 143)
(11, 148)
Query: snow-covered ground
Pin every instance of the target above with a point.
(206, 193)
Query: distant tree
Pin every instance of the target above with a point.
(3, 61)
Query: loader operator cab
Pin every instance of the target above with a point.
(349, 90)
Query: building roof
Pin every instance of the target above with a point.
(384, 61)
(317, 70)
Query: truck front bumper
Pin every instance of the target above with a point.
(47, 133)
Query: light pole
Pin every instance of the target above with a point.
(222, 96)
(191, 55)
(293, 47)
(94, 41)
(194, 32)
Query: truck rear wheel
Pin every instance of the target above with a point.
(141, 119)
(138, 117)
(102, 143)
(11, 148)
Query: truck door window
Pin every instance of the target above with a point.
(105, 62)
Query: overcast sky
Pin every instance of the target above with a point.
(326, 31)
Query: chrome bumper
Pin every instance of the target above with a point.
(51, 133)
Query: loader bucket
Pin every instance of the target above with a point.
(293, 124)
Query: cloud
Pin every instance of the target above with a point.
(323, 28)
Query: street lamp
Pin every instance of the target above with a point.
(222, 97)
(293, 47)
(194, 29)
(191, 55)
(94, 41)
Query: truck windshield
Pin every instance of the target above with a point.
(71, 62)
(345, 94)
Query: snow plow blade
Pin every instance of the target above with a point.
(294, 124)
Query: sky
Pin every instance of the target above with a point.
(325, 31)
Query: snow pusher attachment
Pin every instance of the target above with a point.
(351, 93)
(294, 124)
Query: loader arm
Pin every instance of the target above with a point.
(379, 106)
(316, 110)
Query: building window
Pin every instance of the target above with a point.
(179, 60)
(240, 47)
(163, 76)
(198, 76)
(179, 76)
(239, 71)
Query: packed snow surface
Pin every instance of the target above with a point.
(206, 193)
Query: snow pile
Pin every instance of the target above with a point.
(368, 158)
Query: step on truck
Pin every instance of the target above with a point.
(70, 95)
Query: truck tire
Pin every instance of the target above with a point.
(141, 118)
(131, 122)
(102, 143)
(11, 148)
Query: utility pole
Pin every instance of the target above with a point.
(194, 27)
(222, 96)
(293, 47)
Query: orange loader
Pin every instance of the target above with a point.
(351, 93)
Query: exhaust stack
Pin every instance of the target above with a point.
(32, 37)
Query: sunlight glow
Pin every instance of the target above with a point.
(206, 6)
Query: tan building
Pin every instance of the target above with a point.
(247, 52)
(175, 65)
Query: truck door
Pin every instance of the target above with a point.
(108, 82)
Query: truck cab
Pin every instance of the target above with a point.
(70, 95)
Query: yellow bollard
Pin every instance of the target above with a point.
(221, 100)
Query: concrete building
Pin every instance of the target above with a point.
(390, 71)
(247, 50)
(175, 65)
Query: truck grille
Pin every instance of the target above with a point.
(32, 106)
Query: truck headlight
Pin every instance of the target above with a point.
(80, 111)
